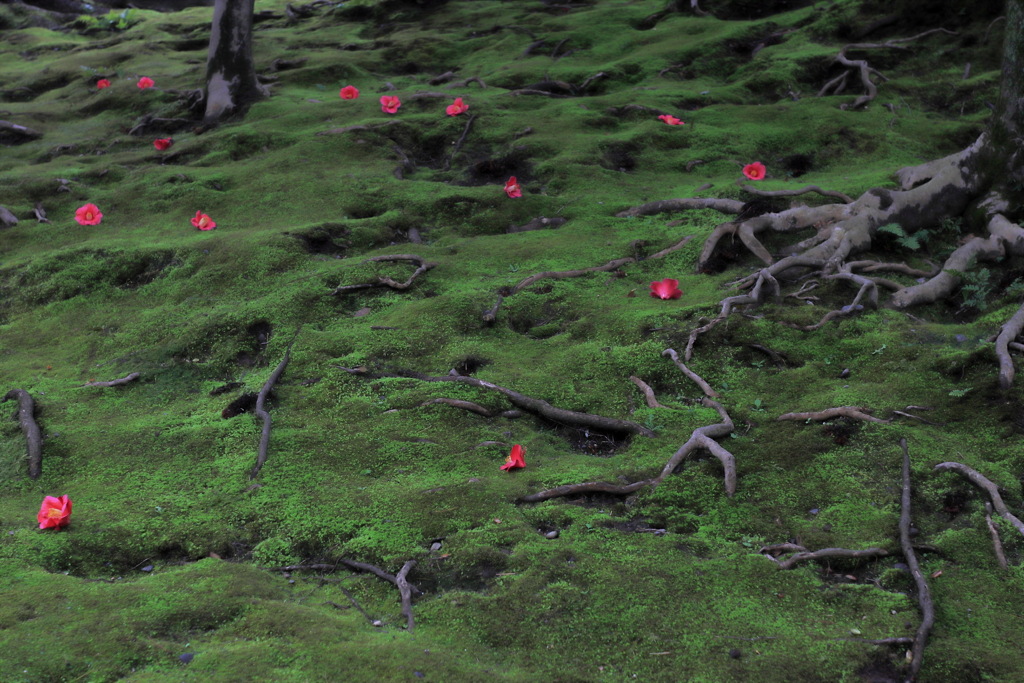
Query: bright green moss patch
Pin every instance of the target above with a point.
(173, 551)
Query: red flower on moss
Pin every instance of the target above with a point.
(457, 107)
(203, 222)
(389, 104)
(670, 120)
(349, 92)
(102, 83)
(666, 289)
(88, 215)
(512, 188)
(163, 143)
(754, 171)
(145, 82)
(54, 513)
(516, 459)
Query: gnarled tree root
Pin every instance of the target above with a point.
(527, 403)
(852, 412)
(33, 436)
(804, 555)
(422, 266)
(648, 392)
(986, 485)
(697, 379)
(997, 543)
(114, 382)
(795, 193)
(924, 596)
(1007, 334)
(700, 438)
(473, 408)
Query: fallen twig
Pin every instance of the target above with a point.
(114, 382)
(986, 485)
(33, 436)
(924, 597)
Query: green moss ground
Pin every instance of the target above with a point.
(358, 469)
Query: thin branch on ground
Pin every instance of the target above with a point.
(29, 426)
(851, 412)
(261, 411)
(527, 403)
(697, 379)
(986, 485)
(652, 401)
(997, 543)
(114, 382)
(473, 407)
(794, 193)
(924, 596)
(356, 604)
(422, 266)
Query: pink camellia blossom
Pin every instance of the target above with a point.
(389, 104)
(349, 92)
(666, 289)
(145, 82)
(457, 107)
(512, 188)
(88, 215)
(754, 171)
(102, 83)
(516, 459)
(203, 222)
(670, 120)
(163, 143)
(55, 513)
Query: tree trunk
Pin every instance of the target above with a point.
(231, 84)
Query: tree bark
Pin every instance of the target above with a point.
(231, 84)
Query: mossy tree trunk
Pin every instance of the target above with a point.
(231, 84)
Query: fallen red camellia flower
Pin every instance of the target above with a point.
(457, 107)
(754, 171)
(54, 513)
(349, 92)
(88, 215)
(512, 188)
(145, 82)
(670, 120)
(666, 289)
(516, 459)
(102, 83)
(163, 143)
(203, 222)
(389, 104)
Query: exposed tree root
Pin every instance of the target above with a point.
(986, 485)
(700, 438)
(465, 82)
(114, 382)
(474, 408)
(794, 193)
(527, 403)
(358, 127)
(422, 266)
(861, 68)
(1007, 334)
(997, 543)
(490, 315)
(765, 285)
(652, 401)
(673, 205)
(261, 411)
(806, 556)
(924, 596)
(33, 436)
(697, 379)
(459, 143)
(406, 592)
(852, 412)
